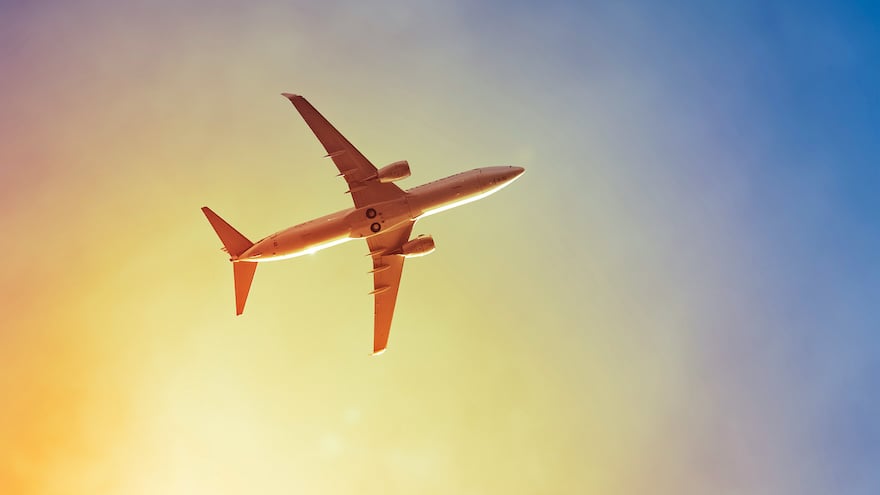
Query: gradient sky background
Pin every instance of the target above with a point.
(680, 296)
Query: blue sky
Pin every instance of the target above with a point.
(680, 295)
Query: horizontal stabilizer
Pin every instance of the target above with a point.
(232, 240)
(244, 274)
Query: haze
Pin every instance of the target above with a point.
(681, 298)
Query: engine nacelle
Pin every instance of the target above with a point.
(394, 172)
(420, 246)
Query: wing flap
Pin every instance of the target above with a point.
(358, 172)
(387, 284)
(387, 270)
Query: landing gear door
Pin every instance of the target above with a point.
(381, 217)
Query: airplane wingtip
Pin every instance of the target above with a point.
(379, 352)
(290, 96)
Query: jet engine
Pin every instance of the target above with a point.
(420, 246)
(394, 172)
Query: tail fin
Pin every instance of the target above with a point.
(235, 244)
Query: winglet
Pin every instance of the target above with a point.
(290, 96)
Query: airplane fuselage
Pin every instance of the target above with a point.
(367, 221)
(383, 215)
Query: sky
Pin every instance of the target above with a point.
(679, 296)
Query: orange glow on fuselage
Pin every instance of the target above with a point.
(345, 225)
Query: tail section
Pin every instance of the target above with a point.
(243, 272)
(232, 240)
(235, 244)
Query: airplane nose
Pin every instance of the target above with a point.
(502, 173)
(515, 172)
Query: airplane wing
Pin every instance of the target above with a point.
(386, 280)
(359, 173)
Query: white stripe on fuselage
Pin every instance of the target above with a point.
(464, 201)
(309, 250)
(318, 247)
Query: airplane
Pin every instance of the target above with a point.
(383, 215)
